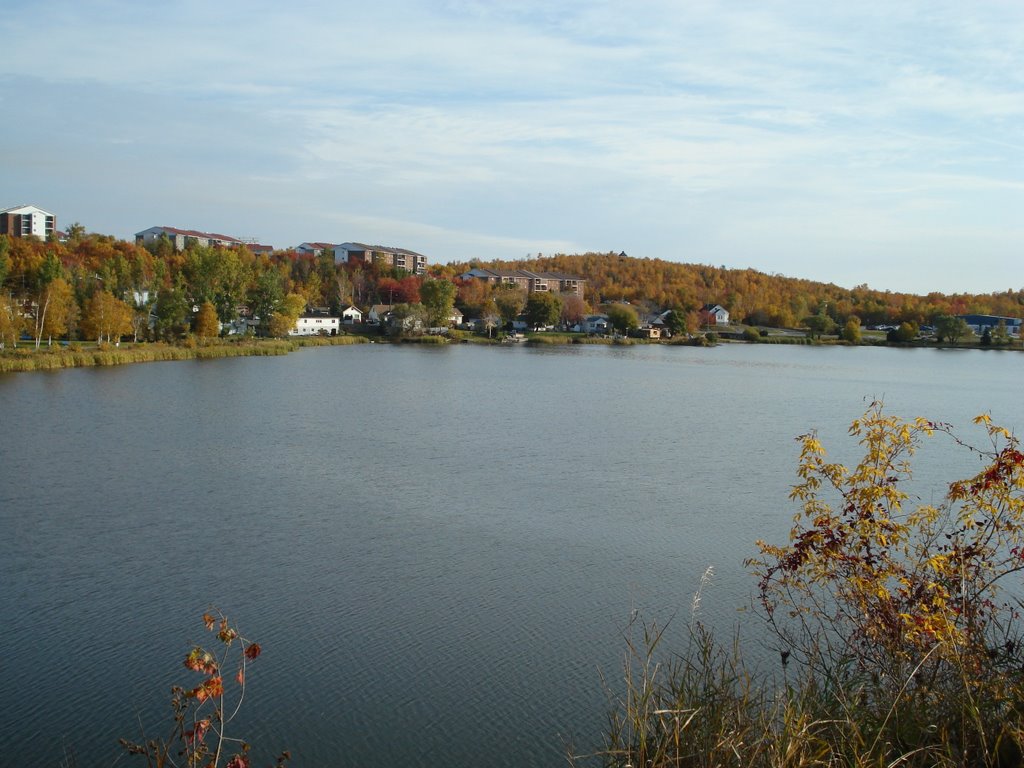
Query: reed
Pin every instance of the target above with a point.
(106, 355)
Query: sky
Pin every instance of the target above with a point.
(874, 143)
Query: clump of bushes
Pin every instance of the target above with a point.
(897, 634)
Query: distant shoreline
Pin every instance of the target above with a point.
(75, 355)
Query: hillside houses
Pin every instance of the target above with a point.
(183, 238)
(530, 281)
(397, 258)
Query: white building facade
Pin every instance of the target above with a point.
(27, 221)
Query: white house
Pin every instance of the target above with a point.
(314, 249)
(315, 324)
(713, 314)
(351, 315)
(378, 313)
(595, 324)
(27, 221)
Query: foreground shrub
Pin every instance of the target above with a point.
(203, 713)
(898, 638)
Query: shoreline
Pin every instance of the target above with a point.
(28, 359)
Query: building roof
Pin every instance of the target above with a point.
(379, 248)
(25, 208)
(195, 233)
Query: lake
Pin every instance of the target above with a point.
(439, 549)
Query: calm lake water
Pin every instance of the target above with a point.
(439, 549)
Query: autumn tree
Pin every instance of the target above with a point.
(106, 318)
(11, 321)
(574, 309)
(287, 315)
(342, 290)
(5, 261)
(906, 332)
(207, 325)
(61, 313)
(851, 331)
(473, 295)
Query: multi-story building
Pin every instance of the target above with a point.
(314, 249)
(532, 282)
(182, 238)
(27, 221)
(399, 258)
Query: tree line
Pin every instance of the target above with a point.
(97, 287)
(753, 297)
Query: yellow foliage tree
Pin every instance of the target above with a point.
(894, 585)
(287, 314)
(11, 322)
(106, 318)
(207, 325)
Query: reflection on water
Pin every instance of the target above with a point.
(437, 548)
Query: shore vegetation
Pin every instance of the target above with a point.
(895, 626)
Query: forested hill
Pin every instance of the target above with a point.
(751, 296)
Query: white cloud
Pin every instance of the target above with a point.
(738, 133)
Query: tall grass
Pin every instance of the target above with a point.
(104, 355)
(704, 707)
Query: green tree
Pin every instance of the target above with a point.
(265, 296)
(510, 302)
(1000, 334)
(951, 329)
(906, 332)
(622, 317)
(543, 309)
(819, 325)
(49, 271)
(679, 322)
(438, 298)
(490, 316)
(172, 310)
(407, 320)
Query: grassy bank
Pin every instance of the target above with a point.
(81, 356)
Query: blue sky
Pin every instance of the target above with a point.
(871, 142)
